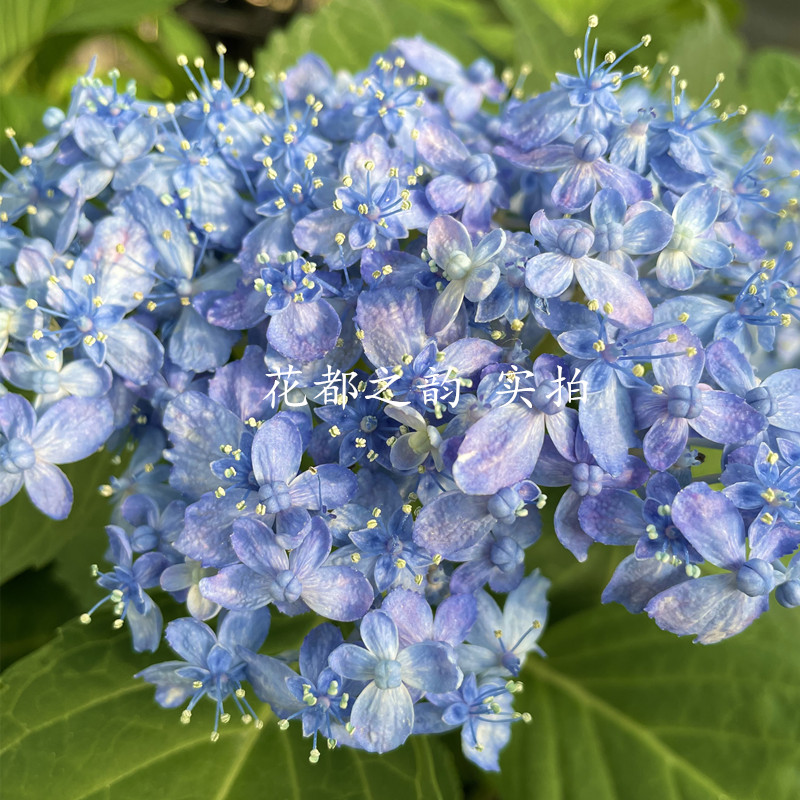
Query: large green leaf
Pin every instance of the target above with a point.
(30, 539)
(623, 711)
(74, 718)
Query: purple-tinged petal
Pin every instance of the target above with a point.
(680, 369)
(305, 331)
(255, 545)
(549, 274)
(339, 593)
(612, 517)
(451, 523)
(446, 193)
(327, 487)
(454, 619)
(674, 269)
(445, 237)
(393, 325)
(198, 346)
(636, 582)
(411, 614)
(769, 542)
(711, 523)
(238, 588)
(606, 417)
(647, 229)
(499, 450)
(710, 607)
(73, 429)
(313, 550)
(277, 450)
(576, 187)
(727, 419)
(629, 304)
(133, 352)
(729, 368)
(568, 529)
(665, 441)
(49, 490)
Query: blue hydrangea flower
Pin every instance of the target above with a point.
(383, 713)
(211, 665)
(71, 429)
(294, 582)
(126, 584)
(499, 641)
(713, 607)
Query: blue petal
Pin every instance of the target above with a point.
(191, 640)
(339, 593)
(379, 634)
(430, 667)
(238, 588)
(277, 449)
(711, 523)
(727, 419)
(710, 607)
(499, 450)
(72, 429)
(411, 614)
(383, 718)
(451, 523)
(246, 628)
(352, 661)
(635, 582)
(305, 331)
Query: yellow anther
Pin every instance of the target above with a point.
(672, 338)
(657, 389)
(683, 317)
(691, 351)
(599, 346)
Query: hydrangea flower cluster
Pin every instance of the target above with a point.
(351, 336)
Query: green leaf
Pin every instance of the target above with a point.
(74, 718)
(772, 77)
(32, 606)
(27, 22)
(622, 710)
(347, 33)
(30, 539)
